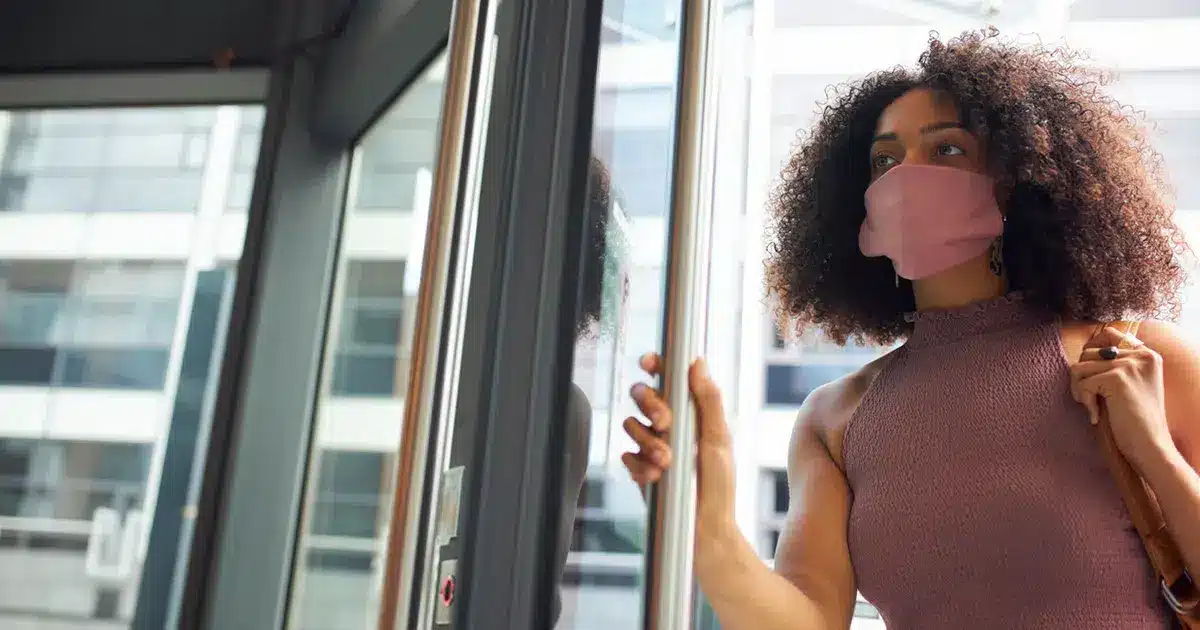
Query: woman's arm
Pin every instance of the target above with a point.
(1173, 473)
(579, 433)
(812, 587)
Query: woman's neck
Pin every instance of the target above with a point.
(966, 284)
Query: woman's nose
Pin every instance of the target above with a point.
(916, 156)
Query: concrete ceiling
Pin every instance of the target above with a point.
(82, 35)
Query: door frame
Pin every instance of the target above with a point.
(519, 346)
(321, 100)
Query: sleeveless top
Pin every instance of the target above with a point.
(980, 498)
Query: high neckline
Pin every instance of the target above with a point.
(940, 326)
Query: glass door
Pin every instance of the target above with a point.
(596, 200)
(410, 572)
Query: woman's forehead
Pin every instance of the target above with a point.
(917, 108)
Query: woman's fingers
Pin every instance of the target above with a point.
(1089, 400)
(704, 392)
(651, 363)
(651, 404)
(651, 447)
(641, 471)
(1110, 336)
(712, 428)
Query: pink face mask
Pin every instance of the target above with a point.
(928, 219)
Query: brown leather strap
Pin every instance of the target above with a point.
(1147, 517)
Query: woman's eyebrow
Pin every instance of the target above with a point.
(937, 126)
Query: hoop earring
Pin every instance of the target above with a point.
(996, 257)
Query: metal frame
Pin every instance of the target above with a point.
(519, 345)
(188, 87)
(670, 603)
(434, 356)
(368, 67)
(257, 467)
(258, 453)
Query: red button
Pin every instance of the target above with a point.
(447, 590)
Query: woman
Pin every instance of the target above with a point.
(994, 210)
(598, 294)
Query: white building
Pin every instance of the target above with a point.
(111, 220)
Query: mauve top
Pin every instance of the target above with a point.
(980, 496)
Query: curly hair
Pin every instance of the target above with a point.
(1089, 234)
(600, 200)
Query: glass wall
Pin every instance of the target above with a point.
(116, 254)
(360, 405)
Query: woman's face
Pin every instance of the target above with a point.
(923, 127)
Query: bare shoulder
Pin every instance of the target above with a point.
(828, 409)
(1177, 346)
(1170, 340)
(1180, 354)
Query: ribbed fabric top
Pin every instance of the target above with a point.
(980, 496)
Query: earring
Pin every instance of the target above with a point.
(996, 256)
(897, 280)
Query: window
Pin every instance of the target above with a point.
(641, 162)
(88, 324)
(105, 161)
(633, 141)
(773, 507)
(636, 22)
(388, 177)
(340, 558)
(1118, 9)
(350, 494)
(601, 524)
(245, 160)
(70, 479)
(371, 359)
(791, 384)
(90, 359)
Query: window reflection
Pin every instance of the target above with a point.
(630, 178)
(359, 410)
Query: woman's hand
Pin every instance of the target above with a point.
(1131, 388)
(714, 454)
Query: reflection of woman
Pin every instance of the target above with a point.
(993, 209)
(579, 409)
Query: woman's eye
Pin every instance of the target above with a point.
(950, 149)
(882, 161)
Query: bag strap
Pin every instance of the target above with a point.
(1178, 587)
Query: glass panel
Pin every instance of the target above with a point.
(340, 557)
(99, 161)
(603, 560)
(245, 160)
(104, 363)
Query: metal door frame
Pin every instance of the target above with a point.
(519, 345)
